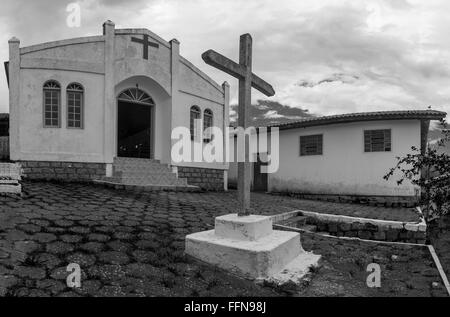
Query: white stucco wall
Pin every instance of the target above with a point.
(344, 168)
(195, 88)
(128, 61)
(60, 144)
(84, 52)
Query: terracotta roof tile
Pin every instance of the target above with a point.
(361, 116)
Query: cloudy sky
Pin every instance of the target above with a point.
(324, 56)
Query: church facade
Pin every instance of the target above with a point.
(79, 106)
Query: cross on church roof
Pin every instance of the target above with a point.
(146, 44)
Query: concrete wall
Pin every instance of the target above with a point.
(59, 144)
(75, 60)
(344, 168)
(352, 227)
(195, 88)
(62, 171)
(128, 60)
(205, 178)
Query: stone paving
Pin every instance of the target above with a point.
(127, 244)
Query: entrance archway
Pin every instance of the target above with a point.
(135, 124)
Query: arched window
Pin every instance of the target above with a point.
(52, 104)
(195, 114)
(207, 123)
(136, 95)
(75, 100)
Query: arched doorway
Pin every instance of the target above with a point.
(135, 124)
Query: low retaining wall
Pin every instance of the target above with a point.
(385, 201)
(62, 171)
(363, 228)
(205, 178)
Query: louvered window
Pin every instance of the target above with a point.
(377, 140)
(311, 145)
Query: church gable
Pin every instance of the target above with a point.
(140, 52)
(81, 54)
(193, 81)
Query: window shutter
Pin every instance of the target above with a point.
(311, 145)
(377, 140)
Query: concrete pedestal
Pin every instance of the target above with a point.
(249, 247)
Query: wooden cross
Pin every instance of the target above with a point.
(146, 44)
(247, 80)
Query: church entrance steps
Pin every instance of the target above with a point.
(148, 187)
(144, 174)
(162, 179)
(136, 161)
(154, 169)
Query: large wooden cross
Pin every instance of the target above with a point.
(247, 80)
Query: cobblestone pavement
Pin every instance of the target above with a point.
(127, 244)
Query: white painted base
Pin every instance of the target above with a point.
(296, 269)
(247, 246)
(250, 227)
(10, 189)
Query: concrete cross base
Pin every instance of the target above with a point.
(248, 246)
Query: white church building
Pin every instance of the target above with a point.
(103, 107)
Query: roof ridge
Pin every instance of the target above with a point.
(428, 114)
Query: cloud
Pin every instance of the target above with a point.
(265, 112)
(341, 78)
(327, 56)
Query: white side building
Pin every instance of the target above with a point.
(344, 157)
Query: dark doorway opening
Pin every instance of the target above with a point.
(134, 130)
(260, 180)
